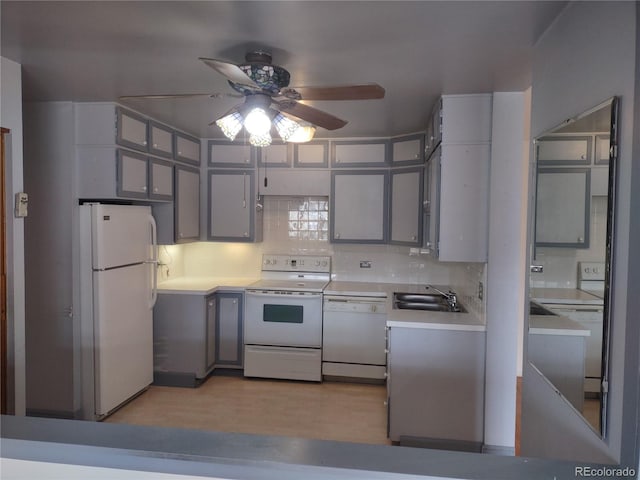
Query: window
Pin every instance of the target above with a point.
(309, 219)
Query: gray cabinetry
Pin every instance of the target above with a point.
(564, 150)
(229, 320)
(184, 338)
(232, 206)
(406, 206)
(359, 206)
(433, 134)
(436, 387)
(160, 179)
(132, 130)
(563, 207)
(186, 148)
(360, 153)
(312, 154)
(407, 150)
(133, 176)
(430, 203)
(187, 204)
(275, 155)
(222, 153)
(160, 140)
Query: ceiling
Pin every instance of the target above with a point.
(97, 51)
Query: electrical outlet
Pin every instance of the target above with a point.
(480, 290)
(365, 264)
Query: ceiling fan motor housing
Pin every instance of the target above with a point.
(258, 67)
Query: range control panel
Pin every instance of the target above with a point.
(591, 271)
(296, 263)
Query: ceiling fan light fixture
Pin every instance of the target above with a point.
(263, 140)
(257, 122)
(285, 126)
(303, 134)
(230, 125)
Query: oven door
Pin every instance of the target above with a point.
(291, 319)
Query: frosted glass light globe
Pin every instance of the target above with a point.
(257, 122)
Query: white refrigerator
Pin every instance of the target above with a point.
(118, 290)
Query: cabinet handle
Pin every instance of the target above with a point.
(337, 235)
(179, 152)
(417, 155)
(414, 238)
(245, 234)
(211, 304)
(386, 350)
(180, 234)
(235, 300)
(144, 189)
(155, 145)
(428, 244)
(386, 375)
(385, 403)
(155, 189)
(580, 239)
(144, 142)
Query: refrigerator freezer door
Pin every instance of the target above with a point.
(123, 332)
(121, 235)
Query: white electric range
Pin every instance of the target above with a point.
(283, 318)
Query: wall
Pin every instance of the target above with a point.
(11, 118)
(566, 82)
(506, 267)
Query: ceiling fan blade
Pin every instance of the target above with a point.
(178, 95)
(310, 114)
(231, 71)
(345, 92)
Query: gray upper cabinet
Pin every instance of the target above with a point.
(160, 140)
(132, 130)
(406, 206)
(407, 150)
(359, 206)
(133, 176)
(312, 154)
(160, 179)
(187, 204)
(433, 134)
(430, 202)
(186, 148)
(223, 153)
(563, 207)
(466, 118)
(602, 150)
(360, 153)
(275, 155)
(233, 215)
(564, 150)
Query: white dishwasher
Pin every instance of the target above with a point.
(354, 337)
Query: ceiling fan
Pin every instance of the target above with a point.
(268, 96)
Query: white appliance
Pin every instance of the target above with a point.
(354, 338)
(283, 318)
(118, 290)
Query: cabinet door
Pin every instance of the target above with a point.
(406, 206)
(227, 154)
(314, 154)
(132, 174)
(431, 206)
(359, 202)
(602, 150)
(563, 207)
(187, 204)
(131, 130)
(229, 329)
(564, 151)
(187, 149)
(275, 155)
(160, 140)
(160, 180)
(463, 213)
(210, 348)
(373, 153)
(407, 150)
(231, 205)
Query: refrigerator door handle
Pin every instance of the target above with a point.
(153, 262)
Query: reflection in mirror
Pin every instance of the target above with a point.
(568, 317)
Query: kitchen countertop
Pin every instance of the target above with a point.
(556, 325)
(408, 318)
(564, 295)
(202, 285)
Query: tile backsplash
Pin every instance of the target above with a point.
(282, 234)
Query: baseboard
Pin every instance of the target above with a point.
(499, 450)
(175, 379)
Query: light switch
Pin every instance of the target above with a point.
(22, 202)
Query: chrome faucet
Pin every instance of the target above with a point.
(451, 297)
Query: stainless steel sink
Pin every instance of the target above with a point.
(424, 301)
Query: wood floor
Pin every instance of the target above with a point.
(327, 411)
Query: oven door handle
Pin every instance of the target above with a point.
(262, 294)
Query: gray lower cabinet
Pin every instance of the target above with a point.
(229, 328)
(184, 338)
(233, 215)
(436, 387)
(359, 206)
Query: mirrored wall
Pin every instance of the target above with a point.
(570, 275)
